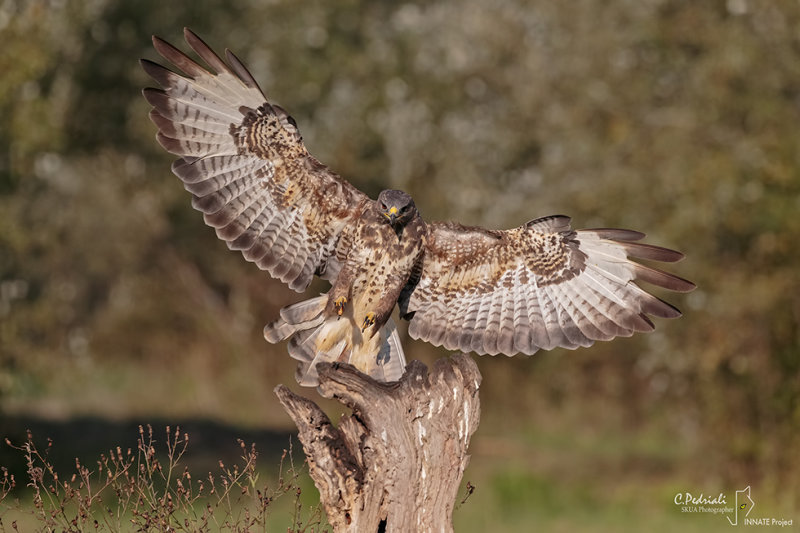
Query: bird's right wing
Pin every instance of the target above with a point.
(538, 286)
(244, 162)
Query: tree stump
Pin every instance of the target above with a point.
(396, 463)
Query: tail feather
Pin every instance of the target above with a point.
(305, 310)
(296, 317)
(301, 348)
(315, 338)
(391, 361)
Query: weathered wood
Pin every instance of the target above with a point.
(396, 463)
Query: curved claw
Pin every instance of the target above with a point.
(339, 304)
(369, 320)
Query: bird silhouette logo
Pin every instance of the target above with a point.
(747, 503)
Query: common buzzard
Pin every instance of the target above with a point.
(538, 286)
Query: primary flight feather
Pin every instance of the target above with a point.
(538, 286)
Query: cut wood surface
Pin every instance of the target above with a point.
(396, 463)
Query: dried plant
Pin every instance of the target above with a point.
(145, 490)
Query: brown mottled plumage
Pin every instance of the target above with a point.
(538, 286)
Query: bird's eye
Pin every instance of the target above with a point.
(383, 205)
(405, 208)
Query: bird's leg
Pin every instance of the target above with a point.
(369, 320)
(339, 303)
(378, 316)
(339, 295)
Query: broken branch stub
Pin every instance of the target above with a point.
(398, 460)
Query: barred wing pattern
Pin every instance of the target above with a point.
(538, 286)
(245, 164)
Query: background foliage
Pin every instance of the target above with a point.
(677, 118)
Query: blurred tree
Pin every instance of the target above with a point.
(676, 118)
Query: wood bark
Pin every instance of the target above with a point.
(396, 463)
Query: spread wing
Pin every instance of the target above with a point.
(245, 164)
(541, 285)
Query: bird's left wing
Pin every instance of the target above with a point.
(244, 162)
(538, 286)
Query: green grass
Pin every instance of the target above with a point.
(574, 479)
(515, 500)
(555, 479)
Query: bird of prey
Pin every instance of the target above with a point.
(538, 286)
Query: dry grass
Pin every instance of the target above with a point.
(148, 489)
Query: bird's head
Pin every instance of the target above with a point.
(396, 206)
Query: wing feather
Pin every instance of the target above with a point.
(522, 326)
(240, 70)
(599, 308)
(505, 337)
(459, 313)
(538, 286)
(553, 327)
(566, 320)
(209, 167)
(582, 330)
(253, 242)
(206, 53)
(245, 164)
(487, 322)
(462, 336)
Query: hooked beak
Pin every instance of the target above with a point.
(392, 215)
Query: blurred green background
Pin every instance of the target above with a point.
(677, 118)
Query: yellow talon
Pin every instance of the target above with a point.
(339, 304)
(369, 320)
